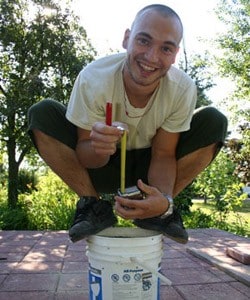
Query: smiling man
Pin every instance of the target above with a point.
(169, 142)
(152, 45)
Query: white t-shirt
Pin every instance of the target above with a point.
(170, 107)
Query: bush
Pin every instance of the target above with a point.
(52, 206)
(27, 181)
(12, 219)
(183, 201)
(214, 181)
(198, 219)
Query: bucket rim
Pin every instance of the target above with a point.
(126, 232)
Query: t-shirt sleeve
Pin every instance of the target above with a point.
(83, 110)
(180, 118)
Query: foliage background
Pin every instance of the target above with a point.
(40, 57)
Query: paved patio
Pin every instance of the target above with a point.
(46, 265)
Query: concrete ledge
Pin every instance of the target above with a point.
(236, 270)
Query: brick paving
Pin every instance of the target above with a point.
(46, 265)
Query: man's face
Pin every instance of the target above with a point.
(152, 45)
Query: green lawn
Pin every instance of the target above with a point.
(208, 208)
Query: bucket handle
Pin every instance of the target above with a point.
(152, 270)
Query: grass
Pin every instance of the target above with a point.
(209, 208)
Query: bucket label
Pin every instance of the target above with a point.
(107, 283)
(146, 281)
(132, 284)
(95, 285)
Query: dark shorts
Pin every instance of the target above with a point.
(208, 126)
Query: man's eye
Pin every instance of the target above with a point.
(167, 50)
(142, 41)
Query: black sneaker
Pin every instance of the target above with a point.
(91, 216)
(171, 226)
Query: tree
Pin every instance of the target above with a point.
(43, 48)
(235, 59)
(197, 67)
(239, 153)
(234, 63)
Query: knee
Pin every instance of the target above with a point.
(214, 119)
(40, 108)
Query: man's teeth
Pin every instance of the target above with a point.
(147, 68)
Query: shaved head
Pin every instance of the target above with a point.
(163, 11)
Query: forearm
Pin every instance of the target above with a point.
(88, 157)
(95, 147)
(161, 179)
(162, 174)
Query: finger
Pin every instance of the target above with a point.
(124, 202)
(104, 148)
(120, 210)
(126, 212)
(137, 206)
(147, 189)
(102, 151)
(129, 204)
(103, 139)
(103, 145)
(104, 136)
(102, 128)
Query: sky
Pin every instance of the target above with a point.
(105, 22)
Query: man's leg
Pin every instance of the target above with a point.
(199, 146)
(55, 138)
(64, 162)
(196, 149)
(191, 165)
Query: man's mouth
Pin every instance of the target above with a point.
(146, 67)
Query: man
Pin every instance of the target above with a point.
(168, 144)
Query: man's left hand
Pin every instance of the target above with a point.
(153, 205)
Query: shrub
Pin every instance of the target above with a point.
(50, 207)
(198, 219)
(12, 219)
(183, 201)
(214, 181)
(27, 181)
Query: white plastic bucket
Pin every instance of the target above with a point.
(124, 264)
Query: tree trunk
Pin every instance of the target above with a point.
(12, 173)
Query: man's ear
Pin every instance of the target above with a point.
(125, 39)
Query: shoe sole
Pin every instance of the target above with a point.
(176, 239)
(80, 235)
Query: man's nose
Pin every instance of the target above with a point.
(152, 54)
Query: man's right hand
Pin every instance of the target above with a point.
(104, 138)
